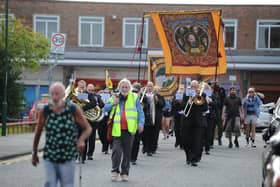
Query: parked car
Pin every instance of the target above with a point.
(37, 105)
(265, 116)
(271, 155)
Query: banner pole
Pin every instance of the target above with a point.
(218, 45)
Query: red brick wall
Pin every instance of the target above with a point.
(70, 11)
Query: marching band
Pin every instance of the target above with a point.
(139, 113)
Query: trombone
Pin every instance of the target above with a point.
(143, 95)
(198, 100)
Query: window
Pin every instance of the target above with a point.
(268, 34)
(91, 31)
(11, 19)
(230, 33)
(46, 24)
(131, 32)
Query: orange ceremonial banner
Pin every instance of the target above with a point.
(192, 42)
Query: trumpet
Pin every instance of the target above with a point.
(197, 100)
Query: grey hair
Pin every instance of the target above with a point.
(59, 85)
(124, 80)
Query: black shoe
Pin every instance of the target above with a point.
(194, 164)
(106, 152)
(236, 143)
(133, 162)
(220, 142)
(176, 145)
(207, 152)
(149, 154)
(230, 145)
(247, 140)
(143, 151)
(188, 162)
(90, 158)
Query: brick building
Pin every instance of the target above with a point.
(103, 36)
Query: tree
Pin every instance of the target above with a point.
(25, 49)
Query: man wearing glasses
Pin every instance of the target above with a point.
(251, 112)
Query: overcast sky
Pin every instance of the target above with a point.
(222, 2)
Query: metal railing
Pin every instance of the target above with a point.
(20, 127)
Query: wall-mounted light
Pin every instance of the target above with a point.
(114, 16)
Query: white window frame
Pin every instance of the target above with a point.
(91, 27)
(3, 18)
(269, 33)
(146, 29)
(48, 16)
(235, 25)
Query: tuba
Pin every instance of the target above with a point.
(95, 114)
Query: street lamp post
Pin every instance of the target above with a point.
(4, 111)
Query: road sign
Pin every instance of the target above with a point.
(58, 41)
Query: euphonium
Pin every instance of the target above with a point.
(95, 114)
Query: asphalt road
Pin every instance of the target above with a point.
(224, 167)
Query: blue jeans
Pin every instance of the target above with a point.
(62, 172)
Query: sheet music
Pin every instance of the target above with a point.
(82, 96)
(190, 92)
(178, 96)
(208, 92)
(105, 97)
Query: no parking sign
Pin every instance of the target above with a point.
(58, 41)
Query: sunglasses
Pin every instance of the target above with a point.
(251, 91)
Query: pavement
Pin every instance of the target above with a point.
(12, 146)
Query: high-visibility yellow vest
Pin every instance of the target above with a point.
(130, 113)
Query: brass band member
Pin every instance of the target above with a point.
(102, 129)
(136, 88)
(193, 125)
(153, 117)
(94, 100)
(177, 113)
(81, 88)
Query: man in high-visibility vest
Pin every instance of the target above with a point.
(128, 117)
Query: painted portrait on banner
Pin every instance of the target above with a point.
(168, 84)
(192, 42)
(192, 39)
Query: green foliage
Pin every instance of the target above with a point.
(25, 49)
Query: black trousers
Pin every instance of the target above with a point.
(149, 138)
(192, 135)
(155, 136)
(135, 146)
(177, 129)
(92, 138)
(209, 133)
(102, 133)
